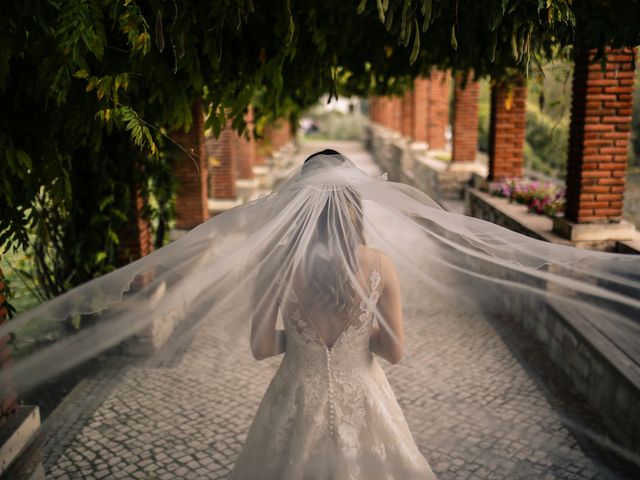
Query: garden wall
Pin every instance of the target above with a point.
(413, 164)
(605, 372)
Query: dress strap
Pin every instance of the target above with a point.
(376, 273)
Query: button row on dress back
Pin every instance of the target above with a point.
(331, 407)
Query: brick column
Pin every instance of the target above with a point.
(222, 155)
(420, 109)
(261, 150)
(396, 114)
(373, 109)
(135, 240)
(191, 173)
(407, 113)
(246, 149)
(8, 397)
(279, 133)
(507, 129)
(438, 109)
(385, 111)
(599, 135)
(465, 120)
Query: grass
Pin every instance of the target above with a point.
(23, 298)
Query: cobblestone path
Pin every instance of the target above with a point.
(482, 412)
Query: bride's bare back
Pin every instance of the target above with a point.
(386, 334)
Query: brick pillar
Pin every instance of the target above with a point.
(261, 150)
(396, 114)
(373, 109)
(465, 120)
(222, 155)
(438, 110)
(407, 113)
(135, 240)
(191, 173)
(8, 397)
(599, 135)
(279, 133)
(507, 129)
(246, 149)
(420, 109)
(384, 108)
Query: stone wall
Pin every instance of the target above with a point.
(476, 206)
(597, 368)
(413, 164)
(600, 369)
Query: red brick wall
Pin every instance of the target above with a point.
(246, 149)
(507, 129)
(438, 109)
(262, 149)
(222, 154)
(275, 136)
(373, 109)
(191, 173)
(419, 121)
(465, 120)
(599, 135)
(396, 114)
(136, 240)
(407, 113)
(381, 111)
(279, 133)
(8, 398)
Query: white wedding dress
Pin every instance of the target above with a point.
(329, 412)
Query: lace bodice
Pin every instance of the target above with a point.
(300, 327)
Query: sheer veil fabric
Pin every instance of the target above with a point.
(301, 246)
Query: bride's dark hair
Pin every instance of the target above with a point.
(334, 258)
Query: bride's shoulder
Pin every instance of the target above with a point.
(369, 254)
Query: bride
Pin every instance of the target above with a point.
(329, 412)
(323, 270)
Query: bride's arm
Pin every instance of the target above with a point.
(266, 341)
(388, 341)
(265, 345)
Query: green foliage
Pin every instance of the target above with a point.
(546, 146)
(90, 88)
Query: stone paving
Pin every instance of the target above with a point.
(476, 406)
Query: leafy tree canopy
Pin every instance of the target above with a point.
(78, 75)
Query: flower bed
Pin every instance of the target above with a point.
(544, 198)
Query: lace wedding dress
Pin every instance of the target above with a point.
(329, 412)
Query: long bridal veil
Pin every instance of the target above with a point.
(303, 236)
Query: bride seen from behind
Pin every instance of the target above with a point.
(329, 411)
